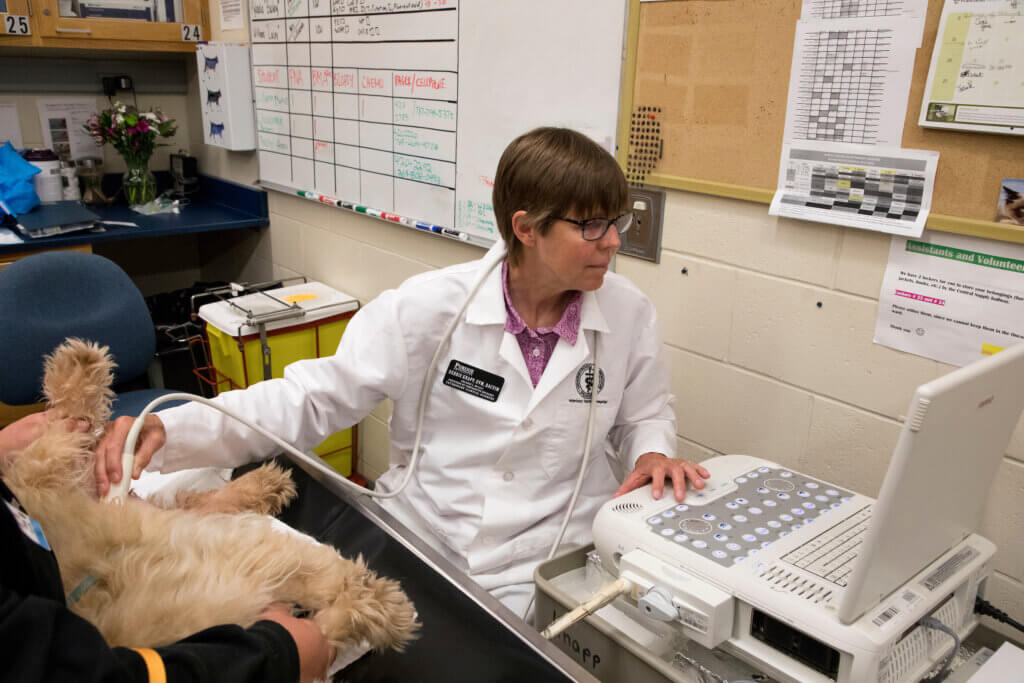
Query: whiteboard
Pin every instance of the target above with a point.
(402, 108)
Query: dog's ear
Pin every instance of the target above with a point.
(77, 380)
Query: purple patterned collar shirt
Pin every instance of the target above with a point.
(538, 345)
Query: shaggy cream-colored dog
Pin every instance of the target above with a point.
(163, 574)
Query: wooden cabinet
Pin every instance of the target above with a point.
(16, 21)
(51, 28)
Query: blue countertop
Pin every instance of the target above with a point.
(218, 205)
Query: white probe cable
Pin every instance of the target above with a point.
(119, 492)
(602, 597)
(595, 385)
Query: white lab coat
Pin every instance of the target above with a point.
(494, 477)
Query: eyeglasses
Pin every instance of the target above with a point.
(594, 229)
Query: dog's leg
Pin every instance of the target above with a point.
(351, 604)
(266, 489)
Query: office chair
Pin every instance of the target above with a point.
(47, 297)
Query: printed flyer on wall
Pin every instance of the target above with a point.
(952, 298)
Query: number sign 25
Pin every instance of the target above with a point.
(16, 25)
(191, 33)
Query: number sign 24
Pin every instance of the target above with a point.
(191, 33)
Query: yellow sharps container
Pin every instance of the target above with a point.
(254, 336)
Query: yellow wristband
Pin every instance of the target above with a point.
(155, 665)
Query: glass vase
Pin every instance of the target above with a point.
(139, 184)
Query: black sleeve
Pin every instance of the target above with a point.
(44, 641)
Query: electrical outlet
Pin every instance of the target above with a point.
(643, 239)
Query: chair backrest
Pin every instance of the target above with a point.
(47, 297)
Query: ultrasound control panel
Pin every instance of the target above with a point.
(730, 526)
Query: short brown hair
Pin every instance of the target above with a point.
(553, 172)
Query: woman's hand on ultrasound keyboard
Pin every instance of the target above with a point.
(656, 468)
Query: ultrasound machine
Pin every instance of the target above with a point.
(811, 582)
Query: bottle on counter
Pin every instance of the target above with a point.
(48, 183)
(69, 180)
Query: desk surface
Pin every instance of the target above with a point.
(219, 205)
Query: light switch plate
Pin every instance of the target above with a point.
(643, 239)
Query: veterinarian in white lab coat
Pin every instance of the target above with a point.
(506, 418)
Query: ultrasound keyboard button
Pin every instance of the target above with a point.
(761, 530)
(775, 524)
(782, 496)
(768, 503)
(681, 538)
(786, 518)
(731, 505)
(821, 498)
(721, 537)
(810, 506)
(708, 516)
(733, 546)
(754, 511)
(749, 538)
(761, 489)
(797, 511)
(668, 532)
(725, 526)
(699, 544)
(811, 485)
(742, 501)
(654, 520)
(682, 508)
(720, 554)
(739, 518)
(831, 492)
(668, 514)
(784, 473)
(802, 494)
(763, 469)
(741, 480)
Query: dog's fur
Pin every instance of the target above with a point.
(164, 574)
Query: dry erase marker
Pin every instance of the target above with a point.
(376, 213)
(347, 205)
(391, 216)
(307, 195)
(454, 233)
(424, 226)
(361, 209)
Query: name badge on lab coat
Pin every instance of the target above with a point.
(475, 381)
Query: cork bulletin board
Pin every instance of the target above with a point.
(704, 107)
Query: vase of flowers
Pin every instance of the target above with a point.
(134, 135)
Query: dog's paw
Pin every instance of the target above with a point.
(376, 611)
(269, 488)
(77, 379)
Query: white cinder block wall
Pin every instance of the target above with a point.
(767, 325)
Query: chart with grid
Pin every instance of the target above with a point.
(865, 192)
(841, 9)
(359, 101)
(842, 85)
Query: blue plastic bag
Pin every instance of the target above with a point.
(16, 188)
